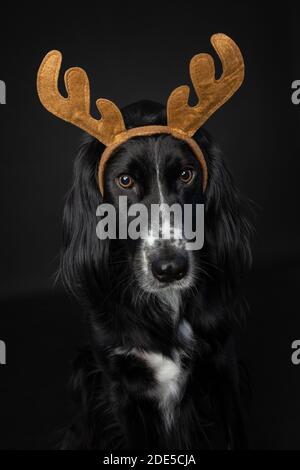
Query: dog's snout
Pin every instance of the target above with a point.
(169, 268)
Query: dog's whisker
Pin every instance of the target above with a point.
(201, 270)
(213, 265)
(118, 285)
(129, 284)
(114, 263)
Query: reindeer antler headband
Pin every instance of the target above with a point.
(182, 120)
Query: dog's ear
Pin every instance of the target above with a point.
(227, 229)
(84, 256)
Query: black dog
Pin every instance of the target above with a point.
(160, 371)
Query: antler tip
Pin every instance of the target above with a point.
(54, 53)
(218, 36)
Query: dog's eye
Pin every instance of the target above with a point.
(186, 176)
(125, 181)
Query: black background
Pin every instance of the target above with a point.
(135, 51)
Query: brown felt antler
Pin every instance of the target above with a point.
(212, 93)
(76, 107)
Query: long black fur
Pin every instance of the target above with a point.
(111, 409)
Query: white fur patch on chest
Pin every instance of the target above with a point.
(169, 374)
(166, 371)
(169, 378)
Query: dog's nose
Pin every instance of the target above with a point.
(169, 269)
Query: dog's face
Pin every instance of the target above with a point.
(151, 171)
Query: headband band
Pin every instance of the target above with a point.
(150, 130)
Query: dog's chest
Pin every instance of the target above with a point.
(169, 374)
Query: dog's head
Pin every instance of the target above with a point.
(161, 174)
(153, 170)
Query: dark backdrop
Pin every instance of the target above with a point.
(135, 51)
